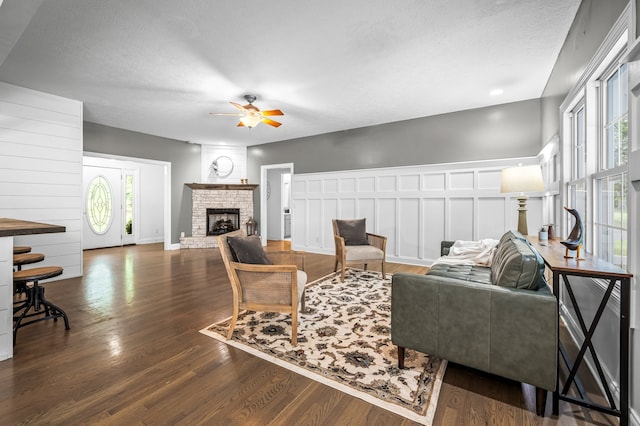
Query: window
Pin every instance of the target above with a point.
(596, 152)
(128, 204)
(99, 205)
(577, 186)
(578, 142)
(616, 106)
(611, 180)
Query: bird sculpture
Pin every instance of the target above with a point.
(576, 236)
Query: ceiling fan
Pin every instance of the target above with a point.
(250, 115)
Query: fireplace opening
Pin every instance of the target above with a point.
(221, 221)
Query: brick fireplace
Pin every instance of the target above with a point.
(215, 197)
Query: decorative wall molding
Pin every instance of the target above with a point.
(416, 207)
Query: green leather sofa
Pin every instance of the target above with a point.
(501, 319)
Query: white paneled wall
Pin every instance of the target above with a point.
(416, 207)
(41, 170)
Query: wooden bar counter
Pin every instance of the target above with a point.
(8, 229)
(592, 267)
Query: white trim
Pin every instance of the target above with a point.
(263, 197)
(167, 188)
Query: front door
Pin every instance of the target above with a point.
(102, 207)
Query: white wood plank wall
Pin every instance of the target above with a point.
(41, 171)
(416, 207)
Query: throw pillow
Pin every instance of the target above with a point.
(354, 231)
(248, 250)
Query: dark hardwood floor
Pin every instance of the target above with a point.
(134, 356)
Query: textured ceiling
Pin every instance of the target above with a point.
(160, 66)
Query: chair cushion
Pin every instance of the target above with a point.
(363, 253)
(302, 282)
(248, 250)
(354, 231)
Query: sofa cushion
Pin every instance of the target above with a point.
(516, 264)
(248, 250)
(509, 235)
(354, 231)
(475, 273)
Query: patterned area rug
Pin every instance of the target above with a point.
(344, 341)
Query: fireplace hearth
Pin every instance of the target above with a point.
(221, 221)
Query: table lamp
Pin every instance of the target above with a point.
(522, 179)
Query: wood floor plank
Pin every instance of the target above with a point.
(134, 356)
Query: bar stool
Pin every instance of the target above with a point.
(21, 249)
(21, 287)
(36, 298)
(26, 259)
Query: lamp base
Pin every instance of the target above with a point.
(522, 215)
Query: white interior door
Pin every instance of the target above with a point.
(102, 207)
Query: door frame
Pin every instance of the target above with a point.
(263, 197)
(166, 187)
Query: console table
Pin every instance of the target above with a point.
(591, 267)
(8, 229)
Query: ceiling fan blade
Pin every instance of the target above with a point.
(271, 122)
(225, 113)
(272, 112)
(240, 107)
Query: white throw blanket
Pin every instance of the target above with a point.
(470, 253)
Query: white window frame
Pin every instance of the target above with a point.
(605, 172)
(587, 94)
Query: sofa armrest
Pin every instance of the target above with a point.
(445, 247)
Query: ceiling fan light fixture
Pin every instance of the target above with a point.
(250, 120)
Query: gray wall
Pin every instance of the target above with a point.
(184, 159)
(502, 131)
(593, 21)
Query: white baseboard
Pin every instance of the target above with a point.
(150, 240)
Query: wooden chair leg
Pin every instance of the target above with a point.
(234, 318)
(365, 266)
(302, 304)
(342, 274)
(335, 268)
(541, 401)
(384, 275)
(400, 357)
(294, 328)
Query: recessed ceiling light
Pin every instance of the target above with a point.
(496, 92)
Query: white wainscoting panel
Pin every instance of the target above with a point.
(415, 207)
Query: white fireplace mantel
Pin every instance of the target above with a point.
(223, 186)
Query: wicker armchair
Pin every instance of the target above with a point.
(359, 254)
(269, 288)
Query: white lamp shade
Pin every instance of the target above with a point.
(522, 179)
